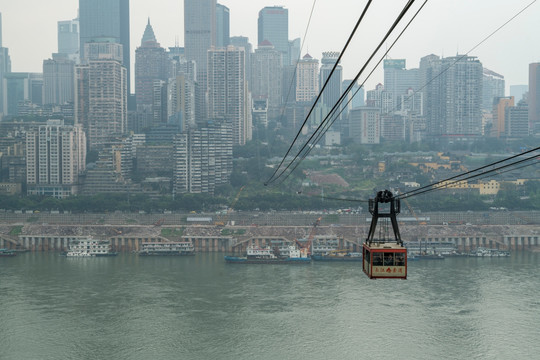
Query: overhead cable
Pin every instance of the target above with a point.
(321, 91)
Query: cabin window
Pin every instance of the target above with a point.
(400, 259)
(389, 259)
(377, 259)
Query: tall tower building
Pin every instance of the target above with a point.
(307, 79)
(492, 88)
(243, 42)
(55, 157)
(5, 68)
(203, 158)
(228, 95)
(499, 115)
(332, 92)
(199, 36)
(181, 93)
(365, 125)
(151, 63)
(398, 80)
(273, 25)
(222, 26)
(430, 82)
(106, 18)
(101, 93)
(534, 98)
(58, 78)
(21, 87)
(454, 99)
(266, 68)
(68, 39)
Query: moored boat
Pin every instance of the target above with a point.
(172, 248)
(338, 255)
(7, 253)
(267, 255)
(89, 248)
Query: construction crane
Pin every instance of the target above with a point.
(306, 246)
(222, 221)
(413, 213)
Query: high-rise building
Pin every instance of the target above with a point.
(243, 42)
(453, 97)
(266, 68)
(55, 157)
(5, 67)
(203, 158)
(534, 98)
(332, 92)
(101, 93)
(307, 78)
(273, 25)
(106, 18)
(398, 80)
(68, 39)
(199, 37)
(151, 64)
(499, 113)
(58, 79)
(517, 121)
(365, 125)
(380, 98)
(21, 88)
(294, 50)
(228, 95)
(492, 88)
(222, 26)
(356, 94)
(181, 93)
(518, 91)
(259, 111)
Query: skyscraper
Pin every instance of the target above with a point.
(266, 64)
(534, 98)
(21, 87)
(332, 92)
(5, 67)
(492, 88)
(203, 158)
(273, 25)
(398, 80)
(243, 42)
(199, 37)
(55, 157)
(228, 96)
(101, 93)
(222, 26)
(307, 78)
(499, 115)
(453, 97)
(151, 63)
(106, 18)
(68, 38)
(58, 79)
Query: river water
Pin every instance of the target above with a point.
(129, 307)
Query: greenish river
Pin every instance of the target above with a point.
(130, 307)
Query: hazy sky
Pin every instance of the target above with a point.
(444, 28)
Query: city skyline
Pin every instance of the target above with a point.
(430, 33)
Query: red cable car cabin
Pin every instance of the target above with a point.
(384, 258)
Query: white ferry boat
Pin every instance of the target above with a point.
(172, 248)
(89, 248)
(267, 255)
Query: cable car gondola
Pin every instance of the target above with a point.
(384, 258)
